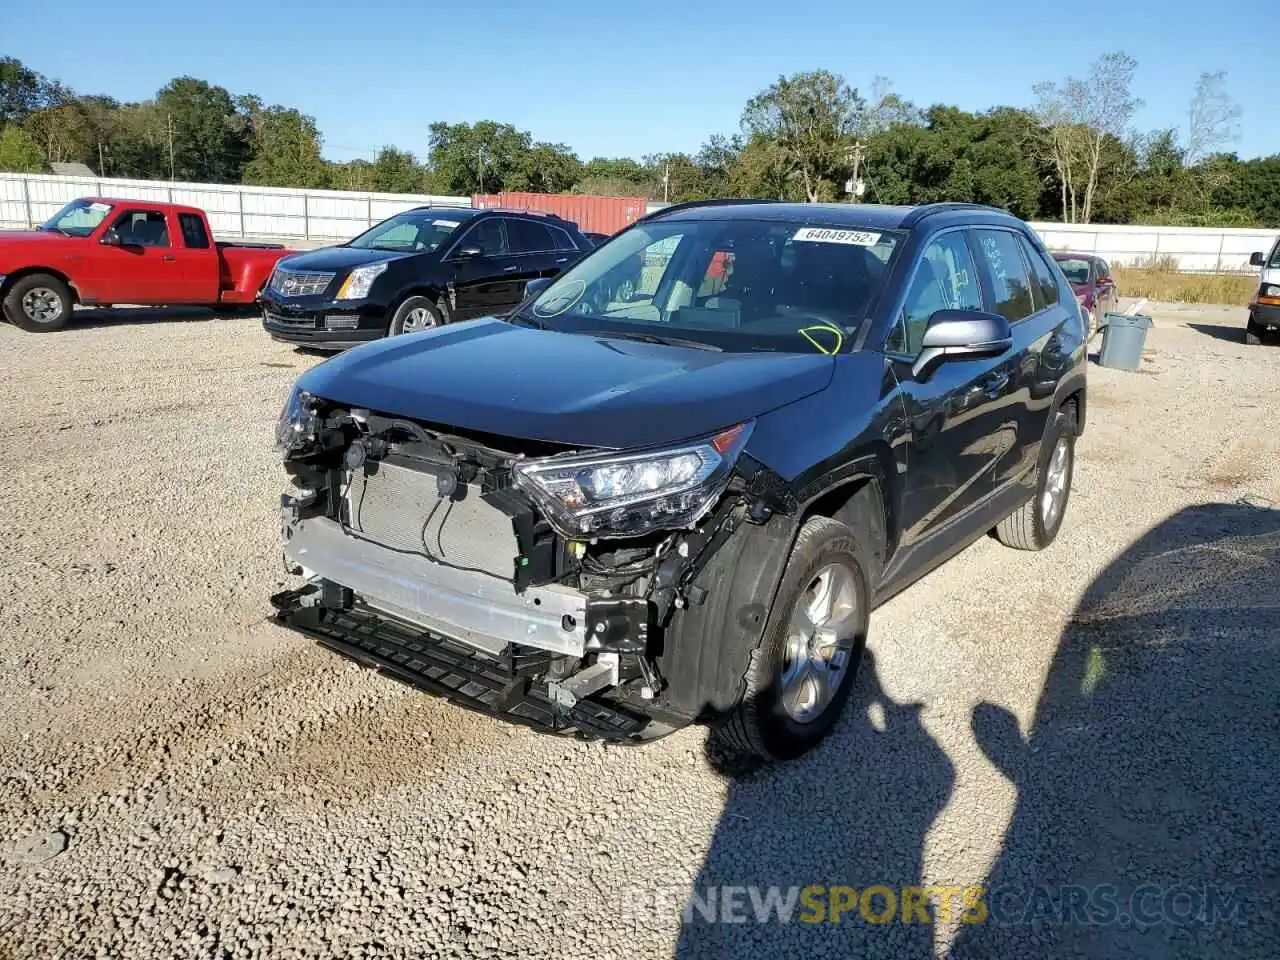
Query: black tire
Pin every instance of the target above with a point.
(36, 295)
(1252, 335)
(1030, 527)
(759, 728)
(422, 307)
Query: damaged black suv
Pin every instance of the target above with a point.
(673, 484)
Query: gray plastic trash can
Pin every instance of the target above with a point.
(1123, 337)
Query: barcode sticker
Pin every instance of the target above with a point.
(444, 223)
(857, 238)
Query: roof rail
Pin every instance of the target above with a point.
(929, 209)
(522, 210)
(691, 204)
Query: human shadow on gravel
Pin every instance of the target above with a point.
(853, 813)
(1153, 764)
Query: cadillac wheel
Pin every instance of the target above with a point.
(38, 302)
(416, 313)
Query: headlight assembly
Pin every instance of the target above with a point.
(298, 425)
(360, 280)
(629, 494)
(1269, 290)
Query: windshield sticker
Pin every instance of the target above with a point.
(99, 207)
(560, 301)
(856, 238)
(809, 333)
(446, 223)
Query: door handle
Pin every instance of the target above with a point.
(168, 258)
(996, 384)
(511, 269)
(563, 260)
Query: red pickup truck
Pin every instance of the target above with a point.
(99, 251)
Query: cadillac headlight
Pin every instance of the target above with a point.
(298, 425)
(629, 494)
(359, 280)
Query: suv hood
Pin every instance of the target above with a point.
(337, 258)
(573, 389)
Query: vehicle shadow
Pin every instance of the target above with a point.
(1149, 785)
(854, 813)
(92, 318)
(1219, 331)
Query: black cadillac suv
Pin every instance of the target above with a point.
(419, 269)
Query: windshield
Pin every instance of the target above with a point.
(79, 218)
(1274, 262)
(1077, 271)
(738, 285)
(411, 232)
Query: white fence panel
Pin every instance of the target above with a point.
(234, 210)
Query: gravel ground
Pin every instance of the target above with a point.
(179, 777)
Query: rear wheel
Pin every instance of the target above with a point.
(1035, 524)
(413, 315)
(40, 303)
(800, 676)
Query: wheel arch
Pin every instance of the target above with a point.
(12, 278)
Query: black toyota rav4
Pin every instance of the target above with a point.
(672, 486)
(421, 268)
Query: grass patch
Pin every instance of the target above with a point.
(1160, 281)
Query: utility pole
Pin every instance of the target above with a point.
(102, 167)
(169, 122)
(854, 185)
(480, 155)
(666, 182)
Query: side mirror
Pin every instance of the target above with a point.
(961, 334)
(470, 252)
(111, 238)
(536, 286)
(1256, 259)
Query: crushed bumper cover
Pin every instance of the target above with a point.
(498, 685)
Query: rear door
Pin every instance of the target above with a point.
(198, 261)
(956, 416)
(1025, 291)
(480, 286)
(533, 251)
(142, 268)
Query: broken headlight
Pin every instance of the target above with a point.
(629, 494)
(298, 425)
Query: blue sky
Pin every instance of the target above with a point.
(627, 79)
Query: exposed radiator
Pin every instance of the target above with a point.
(400, 507)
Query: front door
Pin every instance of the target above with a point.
(481, 285)
(533, 250)
(960, 425)
(141, 268)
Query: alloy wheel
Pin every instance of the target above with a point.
(819, 644)
(41, 305)
(1055, 484)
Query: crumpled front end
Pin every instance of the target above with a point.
(485, 569)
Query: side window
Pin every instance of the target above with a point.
(944, 279)
(526, 236)
(1008, 274)
(488, 236)
(562, 239)
(1046, 281)
(194, 234)
(142, 228)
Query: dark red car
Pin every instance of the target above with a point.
(1091, 280)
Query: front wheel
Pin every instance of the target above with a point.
(799, 678)
(414, 314)
(1035, 524)
(39, 303)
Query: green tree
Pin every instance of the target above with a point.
(22, 90)
(397, 171)
(19, 153)
(285, 148)
(547, 168)
(64, 133)
(210, 138)
(485, 157)
(813, 118)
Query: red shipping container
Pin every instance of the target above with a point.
(605, 215)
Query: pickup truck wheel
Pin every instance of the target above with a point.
(39, 303)
(1252, 335)
(1035, 524)
(414, 314)
(800, 676)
